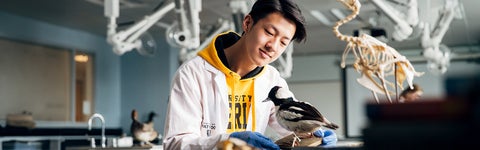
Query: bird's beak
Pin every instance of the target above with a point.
(266, 100)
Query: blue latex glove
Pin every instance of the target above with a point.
(255, 139)
(329, 138)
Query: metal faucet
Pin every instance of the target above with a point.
(99, 116)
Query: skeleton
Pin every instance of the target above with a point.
(374, 59)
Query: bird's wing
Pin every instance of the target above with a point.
(136, 128)
(311, 113)
(136, 125)
(307, 111)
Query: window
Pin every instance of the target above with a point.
(83, 86)
(46, 81)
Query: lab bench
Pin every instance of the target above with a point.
(51, 138)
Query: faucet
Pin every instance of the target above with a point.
(99, 116)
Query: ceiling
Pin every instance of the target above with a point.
(87, 15)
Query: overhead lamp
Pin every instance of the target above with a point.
(321, 17)
(81, 58)
(338, 13)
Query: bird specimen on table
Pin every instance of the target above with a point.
(143, 132)
(300, 117)
(234, 144)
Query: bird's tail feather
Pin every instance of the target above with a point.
(151, 116)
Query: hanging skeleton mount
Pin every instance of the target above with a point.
(374, 60)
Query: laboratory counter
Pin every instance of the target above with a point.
(51, 138)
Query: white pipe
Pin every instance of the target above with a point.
(149, 21)
(185, 55)
(402, 28)
(195, 8)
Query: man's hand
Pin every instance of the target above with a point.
(255, 139)
(329, 138)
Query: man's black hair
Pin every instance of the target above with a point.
(287, 8)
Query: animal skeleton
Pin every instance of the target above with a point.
(374, 59)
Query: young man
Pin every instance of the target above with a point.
(219, 93)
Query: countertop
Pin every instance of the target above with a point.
(9, 131)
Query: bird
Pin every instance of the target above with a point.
(297, 116)
(143, 132)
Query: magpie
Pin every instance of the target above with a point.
(296, 116)
(144, 132)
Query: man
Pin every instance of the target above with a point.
(219, 93)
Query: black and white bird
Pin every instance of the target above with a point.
(297, 116)
(144, 132)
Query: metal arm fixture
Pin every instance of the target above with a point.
(126, 40)
(185, 32)
(404, 22)
(186, 54)
(438, 60)
(186, 36)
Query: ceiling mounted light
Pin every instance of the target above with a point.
(81, 58)
(321, 17)
(338, 13)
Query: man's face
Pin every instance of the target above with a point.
(268, 38)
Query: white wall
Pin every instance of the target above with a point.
(317, 80)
